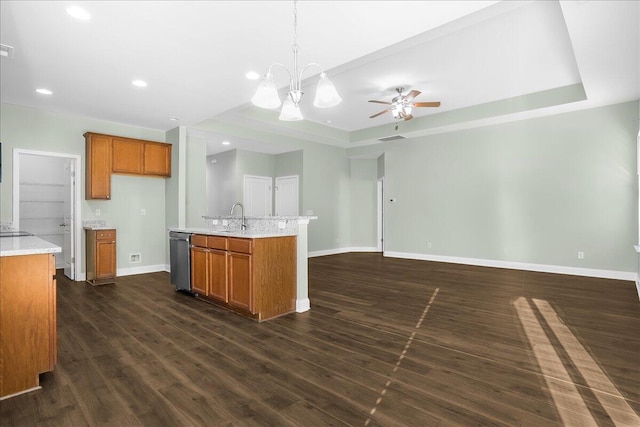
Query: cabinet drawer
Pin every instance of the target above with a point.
(243, 246)
(217, 242)
(105, 234)
(199, 240)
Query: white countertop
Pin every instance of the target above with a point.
(247, 234)
(102, 227)
(26, 245)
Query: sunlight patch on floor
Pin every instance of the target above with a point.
(571, 406)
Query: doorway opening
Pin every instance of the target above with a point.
(46, 202)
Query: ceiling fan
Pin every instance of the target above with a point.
(401, 106)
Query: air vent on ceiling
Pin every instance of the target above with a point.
(392, 138)
(6, 51)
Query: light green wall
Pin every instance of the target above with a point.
(324, 183)
(196, 176)
(172, 184)
(325, 192)
(290, 164)
(533, 191)
(363, 198)
(252, 163)
(31, 129)
(221, 182)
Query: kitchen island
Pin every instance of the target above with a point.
(270, 234)
(28, 336)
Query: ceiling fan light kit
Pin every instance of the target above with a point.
(401, 106)
(266, 95)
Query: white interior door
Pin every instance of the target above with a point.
(287, 195)
(257, 195)
(68, 219)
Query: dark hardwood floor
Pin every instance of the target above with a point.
(388, 342)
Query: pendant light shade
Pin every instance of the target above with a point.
(326, 93)
(266, 95)
(290, 111)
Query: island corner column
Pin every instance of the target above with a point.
(302, 299)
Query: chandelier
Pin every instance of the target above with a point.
(266, 95)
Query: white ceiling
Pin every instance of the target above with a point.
(194, 55)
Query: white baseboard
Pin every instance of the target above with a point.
(141, 270)
(343, 251)
(638, 285)
(559, 269)
(303, 305)
(167, 268)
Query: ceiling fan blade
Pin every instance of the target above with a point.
(412, 95)
(380, 102)
(426, 104)
(380, 113)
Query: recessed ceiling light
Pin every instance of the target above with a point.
(78, 13)
(139, 83)
(44, 91)
(328, 122)
(174, 118)
(252, 75)
(226, 143)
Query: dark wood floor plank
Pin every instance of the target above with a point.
(139, 353)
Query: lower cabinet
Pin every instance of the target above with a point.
(28, 331)
(255, 277)
(101, 256)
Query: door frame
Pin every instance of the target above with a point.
(380, 215)
(77, 199)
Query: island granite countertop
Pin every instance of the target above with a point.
(247, 234)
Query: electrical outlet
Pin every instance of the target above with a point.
(225, 222)
(580, 255)
(97, 212)
(143, 212)
(282, 225)
(429, 245)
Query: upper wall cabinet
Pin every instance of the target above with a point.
(157, 159)
(107, 154)
(128, 156)
(98, 158)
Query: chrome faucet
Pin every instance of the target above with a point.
(243, 226)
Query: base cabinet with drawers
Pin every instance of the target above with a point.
(101, 256)
(253, 276)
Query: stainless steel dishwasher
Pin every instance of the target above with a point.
(180, 258)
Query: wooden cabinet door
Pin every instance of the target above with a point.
(105, 259)
(25, 321)
(240, 281)
(98, 168)
(199, 271)
(157, 159)
(218, 288)
(127, 156)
